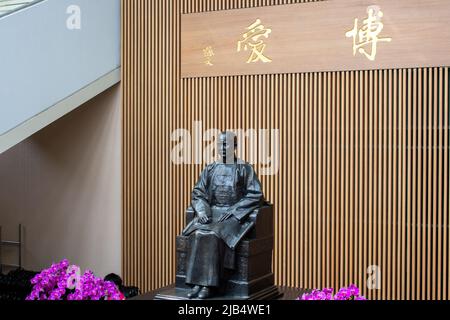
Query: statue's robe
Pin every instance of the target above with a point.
(222, 188)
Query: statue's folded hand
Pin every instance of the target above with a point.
(203, 218)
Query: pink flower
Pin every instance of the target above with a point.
(350, 293)
(63, 281)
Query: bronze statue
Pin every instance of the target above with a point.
(227, 192)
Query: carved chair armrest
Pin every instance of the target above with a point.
(190, 215)
(263, 220)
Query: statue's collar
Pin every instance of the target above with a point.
(237, 161)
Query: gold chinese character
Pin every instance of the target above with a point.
(368, 34)
(252, 39)
(208, 53)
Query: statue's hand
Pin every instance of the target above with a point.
(203, 218)
(225, 217)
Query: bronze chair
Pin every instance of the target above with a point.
(253, 276)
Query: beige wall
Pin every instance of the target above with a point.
(64, 185)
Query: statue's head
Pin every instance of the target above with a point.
(227, 145)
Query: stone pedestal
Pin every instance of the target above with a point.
(172, 293)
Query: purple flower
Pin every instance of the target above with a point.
(64, 281)
(350, 293)
(353, 290)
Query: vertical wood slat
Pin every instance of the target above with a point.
(364, 161)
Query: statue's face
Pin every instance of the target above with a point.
(226, 147)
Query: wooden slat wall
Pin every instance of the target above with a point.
(364, 162)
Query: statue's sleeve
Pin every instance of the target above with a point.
(253, 198)
(200, 195)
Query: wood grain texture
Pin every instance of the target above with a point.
(364, 162)
(311, 37)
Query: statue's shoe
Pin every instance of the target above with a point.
(205, 293)
(194, 292)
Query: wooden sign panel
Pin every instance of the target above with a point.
(331, 35)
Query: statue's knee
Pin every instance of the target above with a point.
(203, 235)
(199, 234)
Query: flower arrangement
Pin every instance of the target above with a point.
(350, 293)
(63, 281)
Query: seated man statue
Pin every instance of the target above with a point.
(227, 192)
